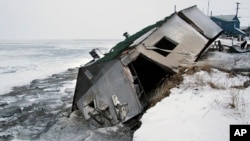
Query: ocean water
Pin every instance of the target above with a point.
(35, 104)
(25, 60)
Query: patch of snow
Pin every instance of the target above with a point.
(228, 60)
(196, 112)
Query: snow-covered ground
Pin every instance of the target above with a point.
(203, 107)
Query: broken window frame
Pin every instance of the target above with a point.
(166, 50)
(94, 112)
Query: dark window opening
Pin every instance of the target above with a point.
(147, 76)
(164, 44)
(92, 104)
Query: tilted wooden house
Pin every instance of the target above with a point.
(116, 87)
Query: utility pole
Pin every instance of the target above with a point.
(208, 7)
(237, 8)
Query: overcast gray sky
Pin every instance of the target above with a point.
(97, 19)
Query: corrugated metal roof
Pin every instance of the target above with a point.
(227, 18)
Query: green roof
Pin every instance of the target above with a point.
(123, 45)
(227, 18)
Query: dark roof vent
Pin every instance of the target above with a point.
(126, 35)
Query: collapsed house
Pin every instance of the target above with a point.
(116, 88)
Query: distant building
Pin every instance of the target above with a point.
(230, 24)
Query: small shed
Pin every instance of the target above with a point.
(229, 23)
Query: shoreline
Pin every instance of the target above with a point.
(42, 111)
(36, 105)
(21, 79)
